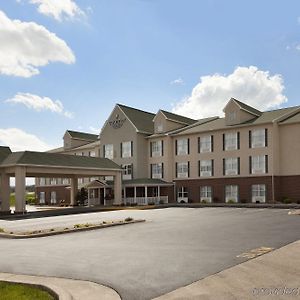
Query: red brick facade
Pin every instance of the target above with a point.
(62, 194)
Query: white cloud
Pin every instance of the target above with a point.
(248, 84)
(59, 9)
(94, 130)
(25, 46)
(177, 81)
(19, 140)
(40, 103)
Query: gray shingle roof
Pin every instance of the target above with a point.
(178, 118)
(247, 107)
(142, 120)
(219, 124)
(4, 152)
(57, 160)
(83, 135)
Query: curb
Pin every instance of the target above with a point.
(71, 230)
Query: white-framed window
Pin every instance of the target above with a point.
(53, 197)
(205, 143)
(126, 149)
(258, 138)
(109, 151)
(156, 148)
(157, 170)
(258, 193)
(92, 153)
(80, 180)
(232, 115)
(231, 141)
(231, 193)
(258, 164)
(182, 169)
(206, 193)
(231, 166)
(127, 171)
(182, 194)
(182, 146)
(206, 168)
(42, 181)
(159, 127)
(53, 181)
(66, 181)
(42, 198)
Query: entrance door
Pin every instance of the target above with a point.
(101, 196)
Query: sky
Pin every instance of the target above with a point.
(64, 64)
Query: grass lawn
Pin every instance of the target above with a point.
(14, 291)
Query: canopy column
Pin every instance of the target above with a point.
(4, 194)
(20, 175)
(74, 190)
(118, 189)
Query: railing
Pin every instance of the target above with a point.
(145, 200)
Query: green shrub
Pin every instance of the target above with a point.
(161, 202)
(128, 219)
(2, 230)
(231, 201)
(286, 200)
(203, 201)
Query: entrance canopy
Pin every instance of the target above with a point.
(41, 164)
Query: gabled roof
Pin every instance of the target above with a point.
(142, 120)
(177, 118)
(246, 107)
(220, 124)
(4, 152)
(82, 135)
(30, 158)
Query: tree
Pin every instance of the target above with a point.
(81, 196)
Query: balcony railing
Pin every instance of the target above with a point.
(145, 200)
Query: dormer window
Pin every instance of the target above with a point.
(232, 115)
(159, 128)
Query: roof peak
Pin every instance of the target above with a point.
(126, 106)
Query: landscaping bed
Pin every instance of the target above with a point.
(69, 229)
(18, 291)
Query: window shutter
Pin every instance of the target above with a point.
(151, 172)
(266, 163)
(188, 169)
(198, 144)
(266, 137)
(212, 167)
(103, 151)
(223, 166)
(250, 139)
(162, 148)
(188, 143)
(176, 170)
(238, 140)
(239, 165)
(212, 143)
(121, 154)
(199, 172)
(223, 141)
(162, 170)
(132, 171)
(175, 147)
(131, 148)
(150, 149)
(250, 164)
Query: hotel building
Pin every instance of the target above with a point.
(246, 156)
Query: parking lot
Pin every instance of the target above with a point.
(175, 247)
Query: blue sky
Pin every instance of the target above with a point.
(187, 56)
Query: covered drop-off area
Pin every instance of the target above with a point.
(41, 164)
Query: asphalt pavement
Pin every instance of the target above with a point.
(175, 247)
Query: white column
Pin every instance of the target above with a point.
(89, 197)
(74, 190)
(4, 194)
(146, 194)
(104, 196)
(118, 189)
(134, 195)
(124, 194)
(20, 175)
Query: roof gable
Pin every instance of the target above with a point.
(140, 119)
(4, 152)
(176, 118)
(82, 135)
(244, 106)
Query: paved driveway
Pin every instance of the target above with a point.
(175, 247)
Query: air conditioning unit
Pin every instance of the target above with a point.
(258, 171)
(259, 199)
(205, 173)
(231, 172)
(182, 175)
(182, 199)
(206, 199)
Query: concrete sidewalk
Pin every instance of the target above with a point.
(66, 289)
(271, 276)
